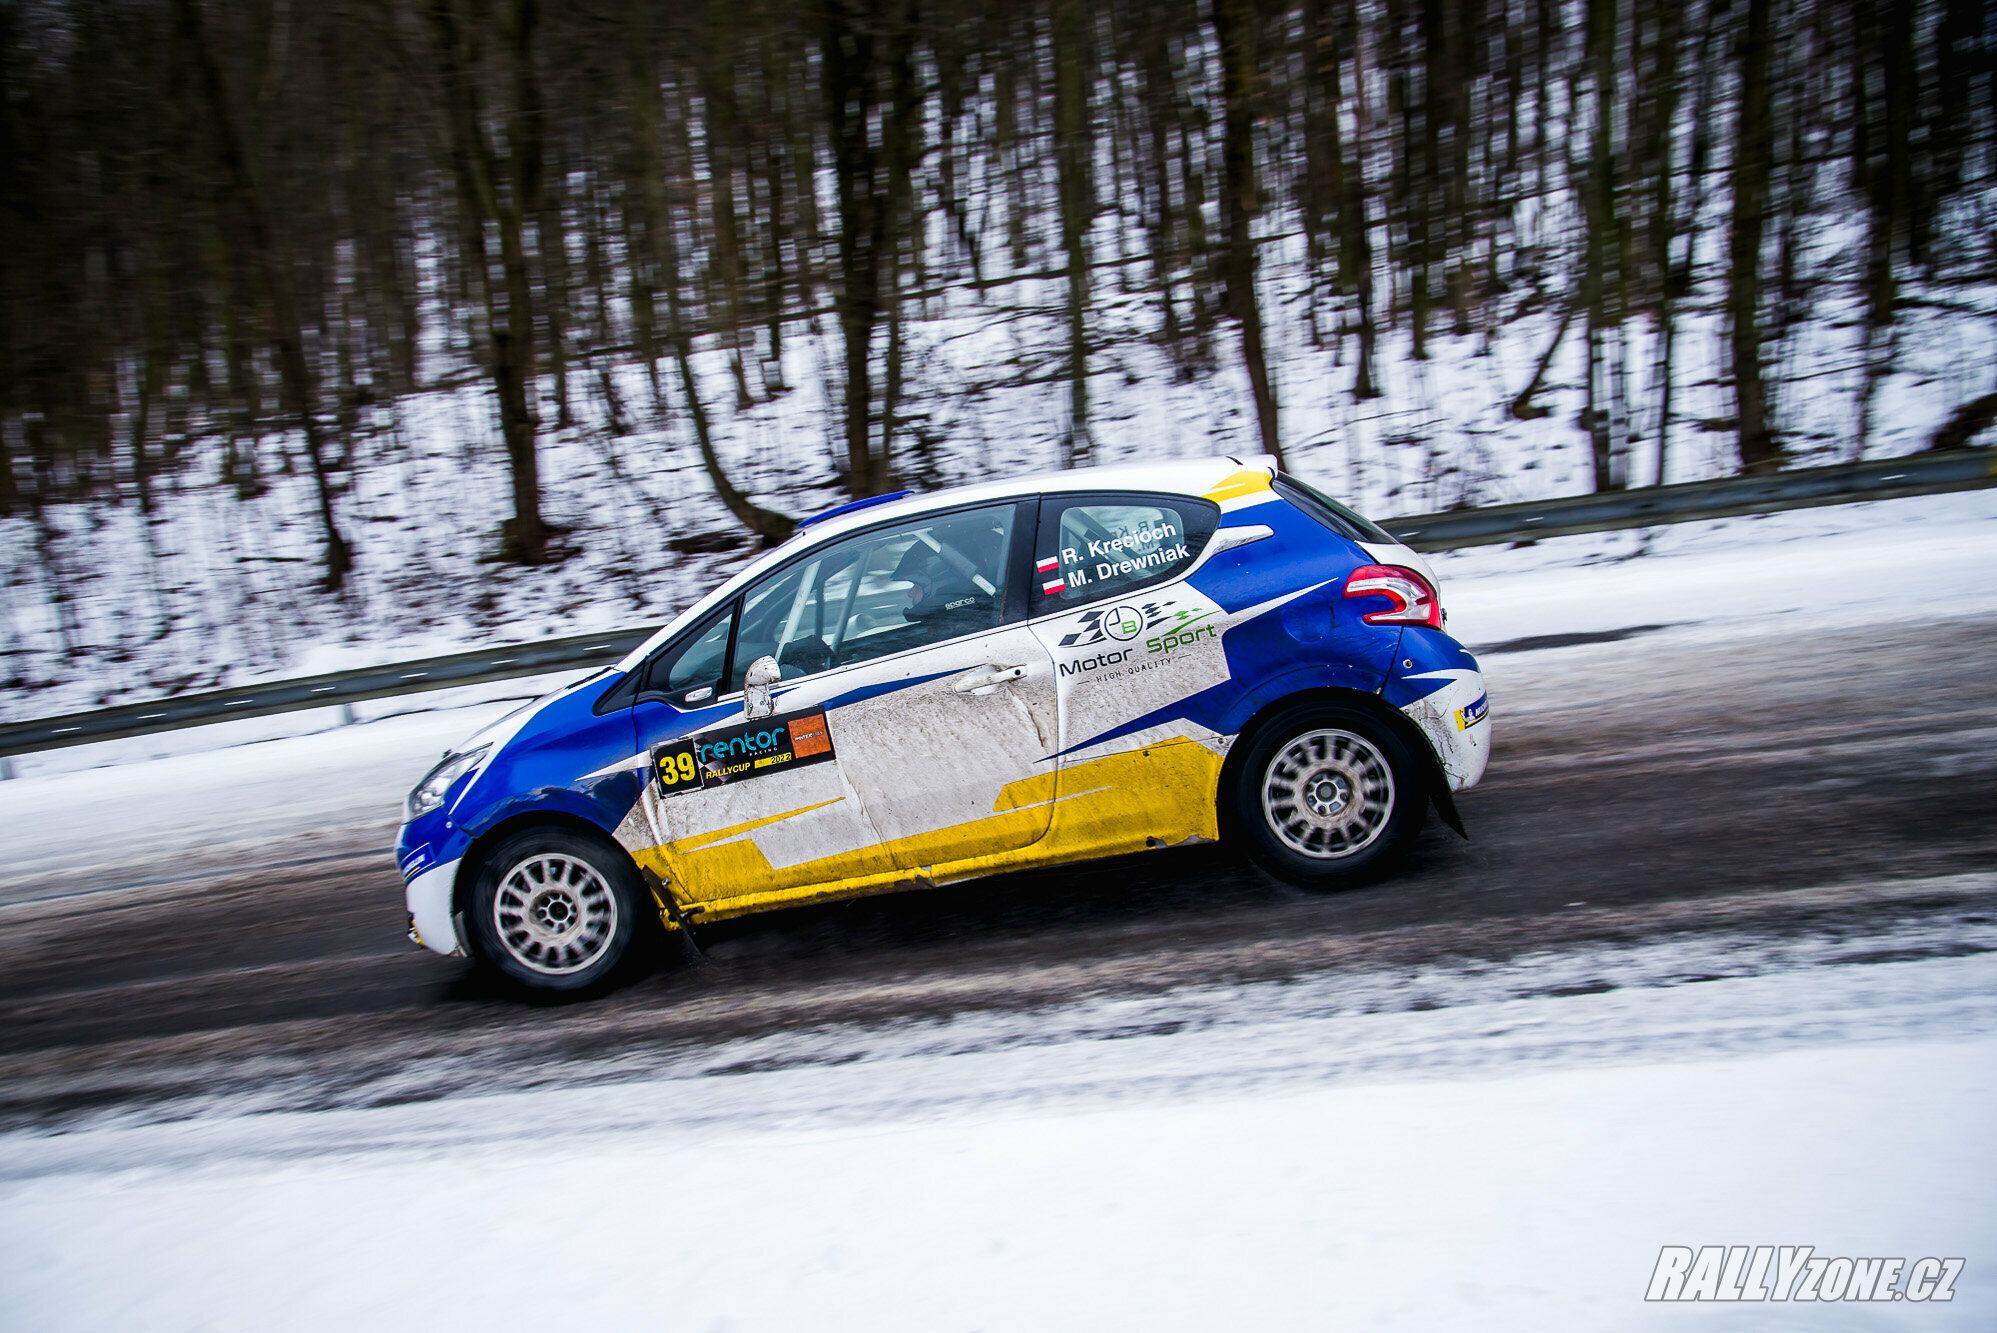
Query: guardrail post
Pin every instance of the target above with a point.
(347, 718)
(6, 767)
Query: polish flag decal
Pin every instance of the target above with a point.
(1048, 566)
(1054, 586)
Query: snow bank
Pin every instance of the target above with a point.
(1530, 1193)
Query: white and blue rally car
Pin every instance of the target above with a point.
(919, 689)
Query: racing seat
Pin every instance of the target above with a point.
(946, 586)
(804, 656)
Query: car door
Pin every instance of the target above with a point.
(941, 702)
(719, 835)
(926, 709)
(1132, 642)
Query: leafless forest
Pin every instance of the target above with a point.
(354, 320)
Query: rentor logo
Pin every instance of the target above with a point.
(743, 750)
(753, 744)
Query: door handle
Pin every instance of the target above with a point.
(997, 675)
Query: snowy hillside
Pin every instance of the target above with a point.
(1439, 256)
(213, 591)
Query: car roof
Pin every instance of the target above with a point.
(1190, 476)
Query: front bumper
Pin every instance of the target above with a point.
(432, 921)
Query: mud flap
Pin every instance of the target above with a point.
(1444, 800)
(1440, 797)
(677, 922)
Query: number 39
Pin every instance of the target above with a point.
(677, 768)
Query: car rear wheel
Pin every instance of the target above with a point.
(554, 910)
(1328, 796)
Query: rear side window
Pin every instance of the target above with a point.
(1341, 519)
(1095, 546)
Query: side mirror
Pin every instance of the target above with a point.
(762, 674)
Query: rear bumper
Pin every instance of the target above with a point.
(1437, 685)
(1457, 721)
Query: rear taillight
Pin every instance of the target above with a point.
(1413, 599)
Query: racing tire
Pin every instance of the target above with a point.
(555, 911)
(1328, 797)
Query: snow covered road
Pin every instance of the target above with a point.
(1488, 1163)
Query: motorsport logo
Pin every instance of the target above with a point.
(1126, 621)
(745, 750)
(1795, 1273)
(1473, 712)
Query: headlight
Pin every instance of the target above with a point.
(429, 793)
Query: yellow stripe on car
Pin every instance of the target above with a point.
(1239, 486)
(1161, 793)
(700, 840)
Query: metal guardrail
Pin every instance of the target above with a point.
(1881, 479)
(340, 687)
(1924, 474)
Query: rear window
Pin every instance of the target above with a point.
(1094, 546)
(1341, 519)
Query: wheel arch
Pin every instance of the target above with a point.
(1435, 780)
(482, 845)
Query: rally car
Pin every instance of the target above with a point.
(918, 689)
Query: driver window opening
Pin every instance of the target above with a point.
(696, 666)
(879, 593)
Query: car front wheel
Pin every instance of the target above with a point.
(1328, 796)
(554, 910)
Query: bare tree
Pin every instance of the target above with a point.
(1753, 165)
(1235, 24)
(244, 208)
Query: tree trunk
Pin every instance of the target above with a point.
(551, 240)
(846, 42)
(767, 524)
(900, 247)
(509, 305)
(1753, 154)
(246, 205)
(1885, 173)
(1073, 148)
(776, 144)
(661, 253)
(1348, 179)
(151, 375)
(721, 123)
(1234, 24)
(1668, 15)
(1602, 248)
(525, 539)
(1157, 97)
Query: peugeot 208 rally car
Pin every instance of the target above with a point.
(919, 689)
